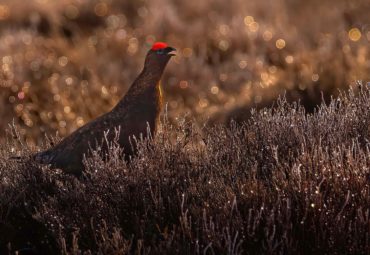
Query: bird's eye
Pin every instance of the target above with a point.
(160, 52)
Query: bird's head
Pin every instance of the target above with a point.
(159, 55)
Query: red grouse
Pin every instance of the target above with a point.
(137, 110)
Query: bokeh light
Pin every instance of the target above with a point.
(101, 9)
(4, 12)
(354, 34)
(63, 63)
(280, 44)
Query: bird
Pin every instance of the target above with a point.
(133, 116)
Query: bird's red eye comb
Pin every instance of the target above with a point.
(159, 45)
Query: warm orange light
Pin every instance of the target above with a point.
(354, 34)
(248, 20)
(280, 44)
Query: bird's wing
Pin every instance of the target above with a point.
(71, 149)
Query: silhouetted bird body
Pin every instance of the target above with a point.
(137, 112)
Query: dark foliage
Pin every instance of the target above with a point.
(284, 182)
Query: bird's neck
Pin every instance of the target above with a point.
(145, 89)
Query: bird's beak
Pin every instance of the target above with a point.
(170, 51)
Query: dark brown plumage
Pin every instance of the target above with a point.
(137, 110)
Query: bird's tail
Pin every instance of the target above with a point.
(42, 157)
(15, 157)
(19, 158)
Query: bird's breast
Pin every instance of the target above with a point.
(159, 97)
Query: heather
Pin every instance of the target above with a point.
(283, 182)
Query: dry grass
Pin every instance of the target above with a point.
(284, 182)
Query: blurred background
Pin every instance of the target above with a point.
(65, 62)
